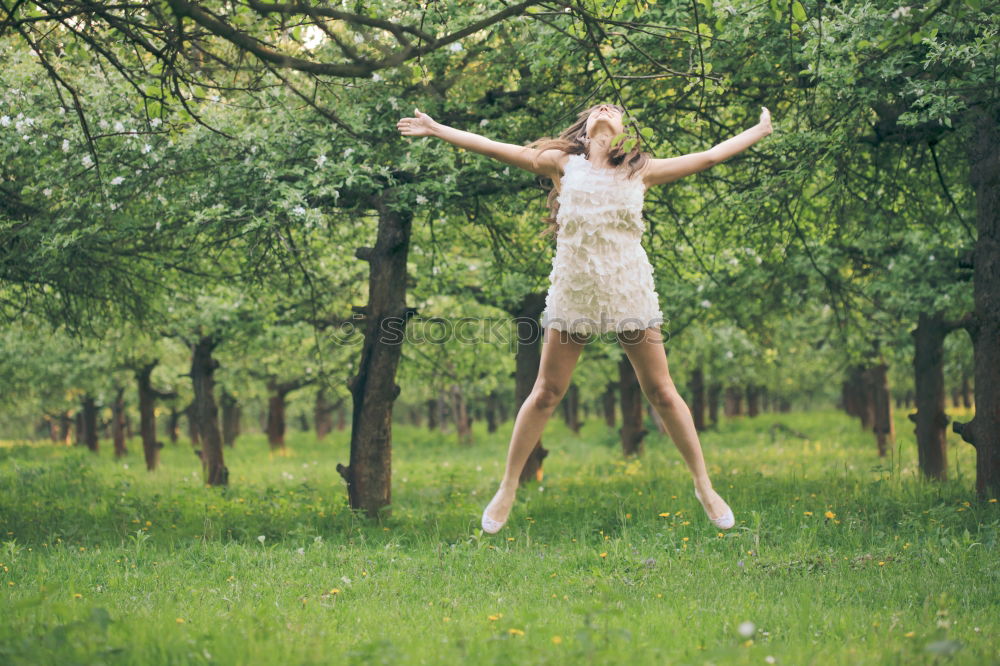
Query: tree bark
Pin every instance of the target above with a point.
(463, 425)
(194, 431)
(697, 387)
(571, 407)
(231, 413)
(172, 424)
(883, 425)
(88, 436)
(734, 402)
(632, 431)
(714, 396)
(527, 361)
(432, 414)
(118, 423)
(930, 418)
(608, 401)
(206, 414)
(983, 431)
(275, 417)
(323, 414)
(492, 411)
(147, 415)
(753, 400)
(373, 388)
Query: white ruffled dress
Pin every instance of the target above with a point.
(601, 278)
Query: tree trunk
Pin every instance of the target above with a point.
(492, 411)
(432, 414)
(571, 408)
(697, 387)
(230, 418)
(373, 388)
(275, 417)
(322, 415)
(65, 425)
(966, 391)
(883, 426)
(632, 430)
(983, 431)
(753, 400)
(118, 423)
(147, 415)
(765, 399)
(928, 375)
(734, 402)
(714, 396)
(206, 414)
(88, 436)
(608, 400)
(526, 364)
(172, 425)
(463, 426)
(194, 432)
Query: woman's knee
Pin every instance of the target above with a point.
(664, 395)
(546, 396)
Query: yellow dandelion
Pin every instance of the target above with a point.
(684, 539)
(665, 514)
(446, 619)
(604, 554)
(830, 514)
(659, 595)
(808, 513)
(556, 640)
(994, 499)
(510, 538)
(673, 497)
(77, 595)
(82, 548)
(515, 632)
(10, 583)
(149, 524)
(910, 634)
(721, 535)
(335, 590)
(881, 564)
(180, 620)
(686, 522)
(748, 643)
(492, 618)
(628, 515)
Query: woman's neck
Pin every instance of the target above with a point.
(600, 146)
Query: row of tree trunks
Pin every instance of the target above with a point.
(865, 394)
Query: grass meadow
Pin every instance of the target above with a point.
(837, 556)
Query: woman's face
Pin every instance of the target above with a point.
(608, 116)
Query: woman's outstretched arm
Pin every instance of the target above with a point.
(545, 163)
(667, 170)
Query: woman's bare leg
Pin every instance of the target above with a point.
(645, 350)
(560, 352)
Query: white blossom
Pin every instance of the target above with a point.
(102, 123)
(65, 145)
(114, 206)
(347, 153)
(900, 12)
(320, 161)
(155, 122)
(299, 210)
(376, 77)
(421, 199)
(484, 122)
(47, 191)
(158, 224)
(146, 147)
(5, 121)
(455, 47)
(119, 127)
(729, 353)
(706, 303)
(87, 161)
(117, 180)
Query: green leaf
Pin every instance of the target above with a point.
(798, 11)
(646, 132)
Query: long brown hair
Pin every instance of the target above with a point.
(571, 140)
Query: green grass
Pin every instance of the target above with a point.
(101, 562)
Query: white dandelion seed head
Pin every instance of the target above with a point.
(261, 538)
(746, 629)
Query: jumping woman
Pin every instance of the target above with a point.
(601, 278)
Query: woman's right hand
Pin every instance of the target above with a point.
(421, 125)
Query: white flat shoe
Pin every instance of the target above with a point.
(491, 526)
(725, 521)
